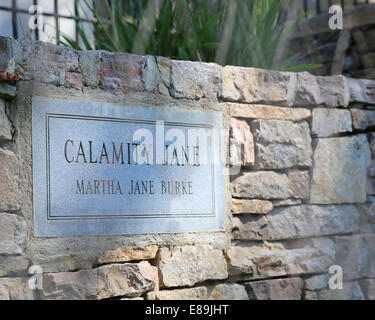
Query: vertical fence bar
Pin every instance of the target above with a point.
(36, 31)
(318, 6)
(14, 19)
(56, 21)
(305, 7)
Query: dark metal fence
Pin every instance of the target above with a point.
(16, 11)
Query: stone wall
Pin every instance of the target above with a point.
(300, 194)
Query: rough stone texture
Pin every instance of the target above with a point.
(198, 293)
(340, 169)
(356, 255)
(131, 279)
(271, 185)
(252, 85)
(350, 291)
(121, 72)
(241, 143)
(331, 91)
(5, 127)
(188, 265)
(48, 63)
(250, 263)
(276, 289)
(362, 91)
(310, 295)
(240, 206)
(254, 111)
(282, 144)
(10, 196)
(297, 222)
(125, 254)
(368, 288)
(328, 122)
(363, 119)
(90, 63)
(316, 282)
(7, 91)
(190, 80)
(15, 289)
(227, 291)
(12, 233)
(13, 265)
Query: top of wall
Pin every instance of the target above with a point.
(123, 73)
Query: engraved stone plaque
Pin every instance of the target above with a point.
(111, 169)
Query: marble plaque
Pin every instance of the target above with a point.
(112, 169)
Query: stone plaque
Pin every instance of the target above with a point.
(111, 169)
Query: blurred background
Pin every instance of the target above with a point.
(291, 35)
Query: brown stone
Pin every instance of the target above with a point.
(276, 289)
(251, 85)
(253, 111)
(121, 72)
(198, 293)
(241, 143)
(12, 233)
(240, 206)
(188, 265)
(125, 254)
(129, 279)
(363, 119)
(10, 195)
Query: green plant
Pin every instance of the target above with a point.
(241, 32)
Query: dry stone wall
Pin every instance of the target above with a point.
(299, 183)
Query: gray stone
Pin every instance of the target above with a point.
(227, 291)
(241, 143)
(334, 91)
(362, 91)
(363, 119)
(271, 185)
(356, 255)
(130, 279)
(7, 91)
(297, 222)
(340, 170)
(311, 90)
(10, 195)
(240, 206)
(282, 144)
(368, 288)
(198, 293)
(5, 127)
(15, 289)
(12, 233)
(276, 289)
(253, 85)
(350, 291)
(90, 63)
(254, 111)
(188, 265)
(316, 282)
(13, 265)
(192, 80)
(254, 262)
(328, 122)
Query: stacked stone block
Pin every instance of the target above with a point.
(301, 199)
